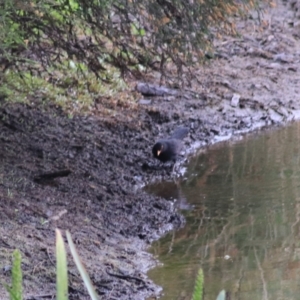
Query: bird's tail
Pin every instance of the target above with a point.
(180, 133)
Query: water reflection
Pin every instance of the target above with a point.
(244, 230)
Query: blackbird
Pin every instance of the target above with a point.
(168, 149)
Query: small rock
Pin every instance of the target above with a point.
(145, 101)
(235, 100)
(292, 68)
(282, 57)
(276, 66)
(169, 99)
(6, 268)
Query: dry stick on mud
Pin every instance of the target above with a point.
(52, 175)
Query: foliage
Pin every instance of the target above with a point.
(65, 87)
(62, 277)
(15, 290)
(198, 289)
(84, 275)
(126, 34)
(61, 268)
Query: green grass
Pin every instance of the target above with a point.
(198, 289)
(70, 86)
(15, 291)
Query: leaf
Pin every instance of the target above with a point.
(198, 290)
(61, 268)
(84, 275)
(15, 291)
(222, 295)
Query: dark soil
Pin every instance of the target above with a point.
(86, 174)
(80, 174)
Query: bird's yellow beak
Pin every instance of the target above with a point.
(158, 152)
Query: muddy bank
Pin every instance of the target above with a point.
(85, 174)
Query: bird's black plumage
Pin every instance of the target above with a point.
(168, 149)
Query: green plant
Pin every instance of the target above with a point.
(198, 290)
(84, 275)
(61, 268)
(15, 290)
(123, 33)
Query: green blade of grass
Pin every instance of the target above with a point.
(84, 275)
(17, 275)
(61, 268)
(16, 291)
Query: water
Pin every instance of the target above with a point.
(242, 205)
